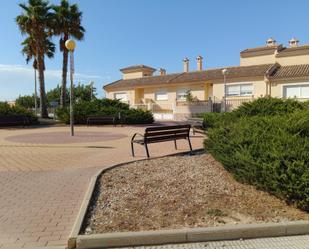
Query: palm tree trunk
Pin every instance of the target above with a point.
(64, 72)
(43, 106)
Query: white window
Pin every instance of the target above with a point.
(239, 90)
(182, 93)
(161, 94)
(299, 91)
(121, 96)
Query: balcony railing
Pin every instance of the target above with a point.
(186, 109)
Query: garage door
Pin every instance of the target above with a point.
(297, 91)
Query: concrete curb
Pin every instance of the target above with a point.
(85, 203)
(192, 235)
(119, 239)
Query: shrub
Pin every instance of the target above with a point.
(270, 152)
(103, 107)
(138, 116)
(6, 110)
(269, 106)
(215, 119)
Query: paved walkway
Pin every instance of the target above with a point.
(292, 242)
(42, 185)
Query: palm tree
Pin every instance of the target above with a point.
(67, 24)
(30, 52)
(36, 21)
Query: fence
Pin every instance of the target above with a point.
(181, 110)
(184, 110)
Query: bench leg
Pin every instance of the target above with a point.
(175, 144)
(190, 144)
(147, 152)
(132, 149)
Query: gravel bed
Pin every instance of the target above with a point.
(177, 192)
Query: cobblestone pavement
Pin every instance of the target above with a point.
(42, 185)
(291, 242)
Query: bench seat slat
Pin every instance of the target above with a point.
(166, 138)
(161, 133)
(171, 127)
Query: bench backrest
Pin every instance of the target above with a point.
(196, 122)
(13, 119)
(171, 132)
(101, 117)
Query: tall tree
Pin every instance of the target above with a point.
(30, 52)
(67, 24)
(36, 20)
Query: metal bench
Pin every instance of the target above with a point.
(197, 125)
(161, 134)
(14, 120)
(101, 120)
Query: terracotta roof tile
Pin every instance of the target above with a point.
(134, 67)
(260, 51)
(149, 80)
(300, 50)
(216, 74)
(210, 74)
(291, 72)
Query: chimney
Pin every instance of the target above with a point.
(199, 61)
(186, 65)
(162, 71)
(270, 42)
(293, 43)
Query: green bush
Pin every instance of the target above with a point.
(7, 110)
(299, 123)
(215, 119)
(261, 107)
(137, 116)
(104, 107)
(266, 150)
(268, 106)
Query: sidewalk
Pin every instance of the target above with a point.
(42, 185)
(291, 242)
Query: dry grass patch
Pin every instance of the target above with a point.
(177, 192)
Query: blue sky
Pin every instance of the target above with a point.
(158, 33)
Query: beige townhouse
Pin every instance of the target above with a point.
(270, 70)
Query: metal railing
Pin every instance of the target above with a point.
(186, 109)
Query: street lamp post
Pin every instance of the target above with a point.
(70, 45)
(224, 72)
(35, 94)
(91, 85)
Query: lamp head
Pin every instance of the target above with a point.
(70, 45)
(224, 71)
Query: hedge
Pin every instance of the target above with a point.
(267, 147)
(103, 107)
(7, 110)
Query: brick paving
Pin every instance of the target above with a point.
(291, 242)
(42, 184)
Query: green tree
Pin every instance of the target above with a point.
(84, 92)
(189, 97)
(67, 24)
(27, 101)
(53, 95)
(36, 20)
(81, 92)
